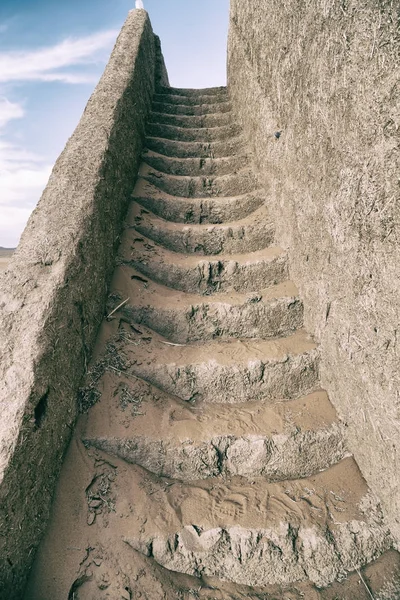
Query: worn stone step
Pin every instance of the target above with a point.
(234, 184)
(191, 100)
(252, 532)
(193, 134)
(195, 166)
(180, 149)
(147, 427)
(186, 318)
(196, 210)
(213, 91)
(250, 234)
(184, 109)
(204, 275)
(230, 371)
(191, 121)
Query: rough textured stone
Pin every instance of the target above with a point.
(323, 76)
(53, 293)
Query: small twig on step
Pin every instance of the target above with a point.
(171, 344)
(366, 587)
(117, 307)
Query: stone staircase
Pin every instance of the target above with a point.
(210, 463)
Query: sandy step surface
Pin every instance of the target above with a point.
(253, 532)
(210, 99)
(186, 110)
(254, 232)
(232, 371)
(204, 275)
(195, 166)
(180, 149)
(200, 187)
(196, 210)
(147, 427)
(86, 550)
(192, 134)
(193, 121)
(194, 92)
(185, 318)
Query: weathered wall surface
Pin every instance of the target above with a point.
(326, 74)
(52, 297)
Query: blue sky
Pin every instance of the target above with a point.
(52, 53)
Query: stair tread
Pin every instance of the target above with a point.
(158, 222)
(134, 243)
(193, 149)
(220, 89)
(164, 417)
(217, 119)
(321, 525)
(144, 188)
(191, 110)
(196, 134)
(191, 100)
(200, 186)
(150, 346)
(194, 166)
(143, 292)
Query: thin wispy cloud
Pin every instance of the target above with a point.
(24, 174)
(46, 64)
(8, 111)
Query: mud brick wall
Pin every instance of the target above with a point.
(323, 76)
(52, 297)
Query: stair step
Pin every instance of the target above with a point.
(186, 318)
(294, 439)
(190, 134)
(162, 106)
(204, 275)
(196, 210)
(200, 187)
(254, 533)
(191, 121)
(192, 100)
(230, 372)
(179, 149)
(253, 233)
(214, 91)
(195, 166)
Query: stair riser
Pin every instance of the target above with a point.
(196, 167)
(210, 277)
(259, 557)
(196, 150)
(183, 134)
(193, 92)
(212, 211)
(203, 187)
(179, 109)
(277, 457)
(214, 240)
(192, 122)
(235, 383)
(205, 322)
(208, 99)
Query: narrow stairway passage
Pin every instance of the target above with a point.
(208, 462)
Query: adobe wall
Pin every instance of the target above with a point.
(52, 297)
(324, 73)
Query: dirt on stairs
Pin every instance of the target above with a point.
(207, 462)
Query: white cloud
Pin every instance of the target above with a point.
(45, 64)
(24, 174)
(8, 111)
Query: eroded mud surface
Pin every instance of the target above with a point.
(207, 462)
